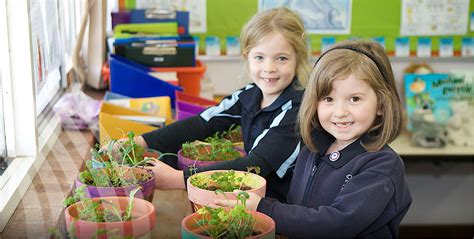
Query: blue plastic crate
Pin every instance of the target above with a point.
(132, 79)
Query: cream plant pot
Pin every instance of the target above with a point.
(202, 197)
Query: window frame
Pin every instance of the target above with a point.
(26, 137)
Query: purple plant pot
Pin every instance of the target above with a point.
(184, 162)
(146, 192)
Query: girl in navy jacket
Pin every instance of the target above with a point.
(347, 182)
(275, 52)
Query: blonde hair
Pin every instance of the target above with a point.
(340, 62)
(289, 25)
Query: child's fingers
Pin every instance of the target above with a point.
(153, 161)
(225, 203)
(236, 192)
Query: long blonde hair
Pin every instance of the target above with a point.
(366, 61)
(289, 25)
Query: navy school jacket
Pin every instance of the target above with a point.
(351, 193)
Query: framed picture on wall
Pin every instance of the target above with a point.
(319, 16)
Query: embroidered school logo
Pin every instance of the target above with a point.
(334, 156)
(348, 177)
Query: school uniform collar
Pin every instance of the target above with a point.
(323, 140)
(251, 99)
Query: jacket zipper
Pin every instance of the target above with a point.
(310, 183)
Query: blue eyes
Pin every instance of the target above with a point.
(278, 59)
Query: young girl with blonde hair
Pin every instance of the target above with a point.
(276, 55)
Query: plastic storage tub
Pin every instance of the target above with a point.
(189, 77)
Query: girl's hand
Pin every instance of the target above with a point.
(115, 145)
(166, 177)
(140, 141)
(251, 203)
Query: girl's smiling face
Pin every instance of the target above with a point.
(272, 66)
(349, 110)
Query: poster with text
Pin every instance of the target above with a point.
(434, 17)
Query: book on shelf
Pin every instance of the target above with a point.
(467, 48)
(436, 94)
(326, 43)
(446, 48)
(424, 47)
(232, 46)
(213, 46)
(380, 40)
(402, 46)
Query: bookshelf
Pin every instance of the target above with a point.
(402, 145)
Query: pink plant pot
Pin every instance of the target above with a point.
(264, 224)
(202, 197)
(185, 162)
(143, 219)
(146, 192)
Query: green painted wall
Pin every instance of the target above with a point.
(370, 18)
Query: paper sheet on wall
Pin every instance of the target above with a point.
(197, 14)
(434, 17)
(47, 49)
(319, 16)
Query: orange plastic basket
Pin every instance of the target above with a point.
(189, 77)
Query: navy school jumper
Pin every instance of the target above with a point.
(270, 137)
(352, 193)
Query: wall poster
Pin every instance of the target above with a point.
(434, 17)
(319, 16)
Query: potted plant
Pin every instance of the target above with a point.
(234, 134)
(201, 186)
(118, 168)
(108, 216)
(129, 153)
(221, 222)
(116, 180)
(214, 149)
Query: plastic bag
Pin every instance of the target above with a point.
(77, 111)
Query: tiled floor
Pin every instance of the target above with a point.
(41, 207)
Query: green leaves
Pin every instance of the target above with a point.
(94, 210)
(115, 156)
(218, 147)
(221, 222)
(226, 181)
(128, 212)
